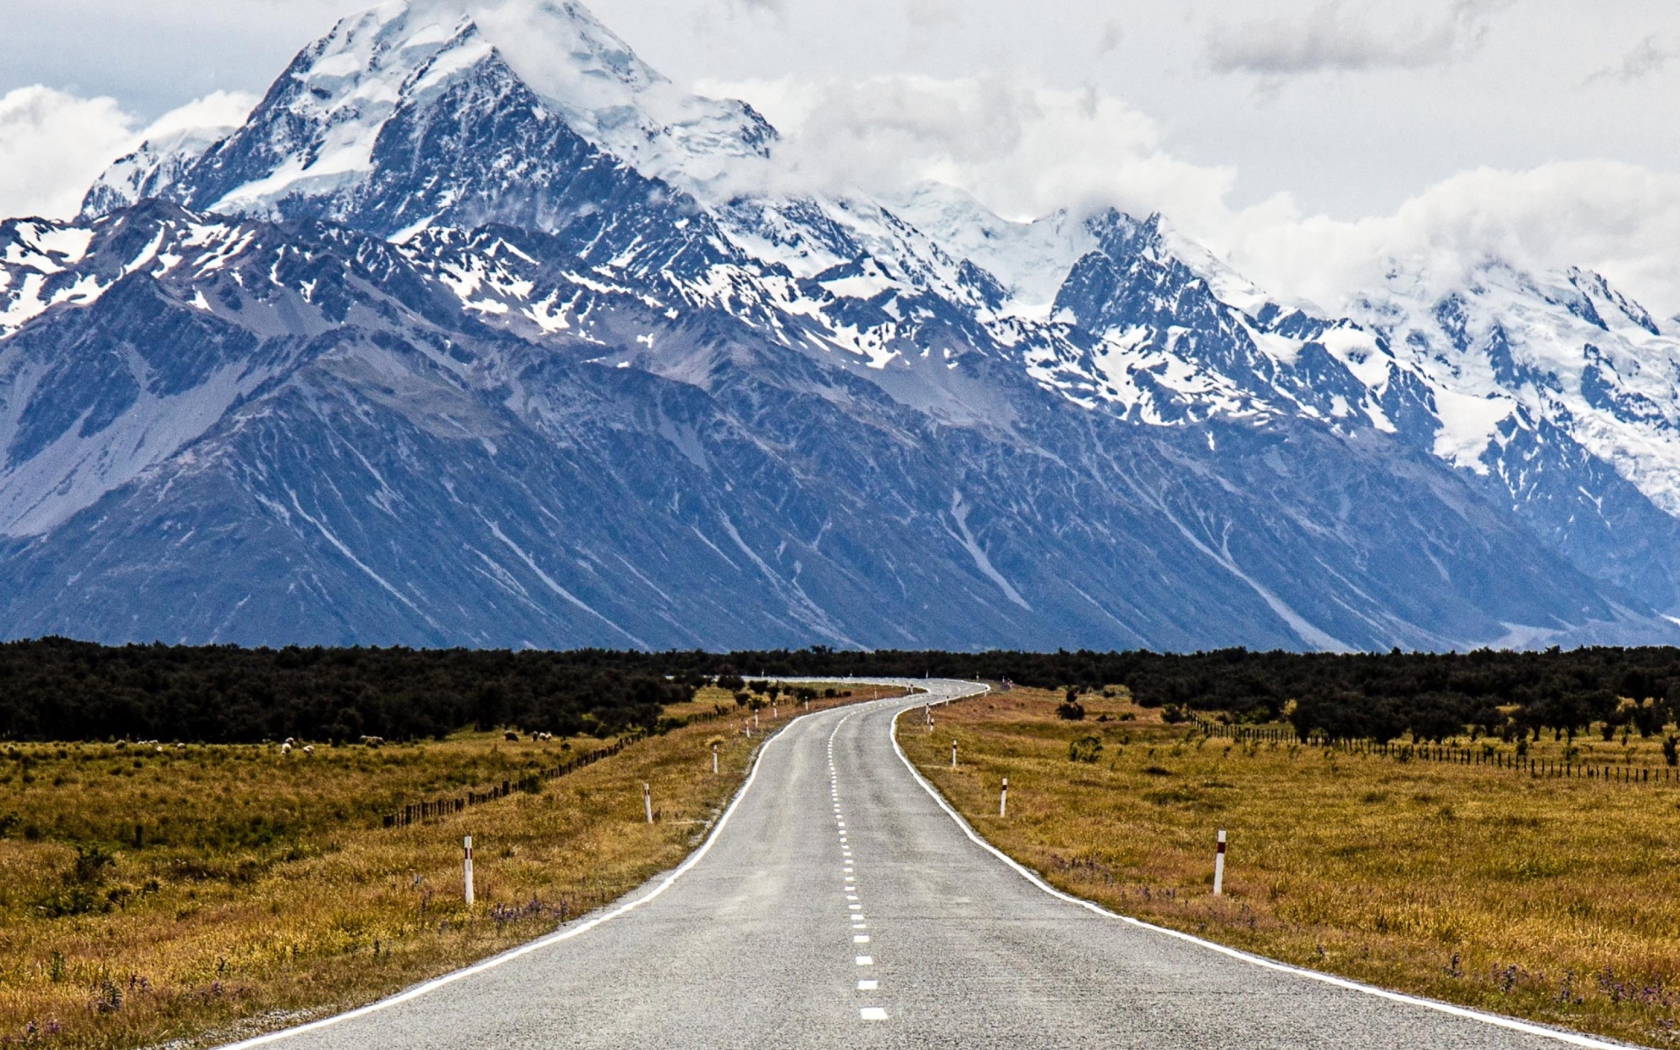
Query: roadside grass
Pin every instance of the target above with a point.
(263, 891)
(1548, 899)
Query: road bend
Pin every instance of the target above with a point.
(840, 904)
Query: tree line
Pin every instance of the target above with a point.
(1378, 696)
(60, 689)
(54, 689)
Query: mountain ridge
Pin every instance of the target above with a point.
(428, 364)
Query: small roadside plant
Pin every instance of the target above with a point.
(1085, 749)
(1071, 710)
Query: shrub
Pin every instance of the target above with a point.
(1671, 750)
(1085, 749)
(1071, 710)
(89, 869)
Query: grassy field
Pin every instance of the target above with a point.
(152, 893)
(1547, 898)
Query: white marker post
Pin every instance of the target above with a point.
(773, 713)
(466, 867)
(1003, 799)
(927, 716)
(647, 801)
(953, 754)
(1219, 866)
(714, 759)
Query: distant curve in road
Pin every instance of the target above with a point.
(839, 902)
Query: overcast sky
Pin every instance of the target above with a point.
(1296, 138)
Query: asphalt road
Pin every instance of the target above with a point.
(840, 904)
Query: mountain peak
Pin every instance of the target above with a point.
(313, 137)
(617, 101)
(315, 131)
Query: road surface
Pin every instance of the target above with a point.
(840, 904)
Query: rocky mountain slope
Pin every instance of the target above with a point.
(464, 340)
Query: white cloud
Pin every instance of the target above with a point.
(219, 109)
(1026, 150)
(1645, 58)
(53, 145)
(1619, 219)
(1333, 37)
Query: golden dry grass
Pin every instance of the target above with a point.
(1549, 899)
(265, 890)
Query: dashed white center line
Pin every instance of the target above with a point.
(849, 888)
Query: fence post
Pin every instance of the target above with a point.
(466, 863)
(1219, 866)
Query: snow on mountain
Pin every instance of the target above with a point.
(1029, 259)
(38, 270)
(619, 103)
(170, 146)
(315, 133)
(1510, 350)
(478, 330)
(149, 171)
(378, 76)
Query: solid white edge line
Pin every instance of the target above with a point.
(542, 942)
(1498, 1021)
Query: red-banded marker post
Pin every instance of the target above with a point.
(1003, 799)
(953, 754)
(714, 758)
(466, 867)
(1219, 866)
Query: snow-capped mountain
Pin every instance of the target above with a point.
(479, 331)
